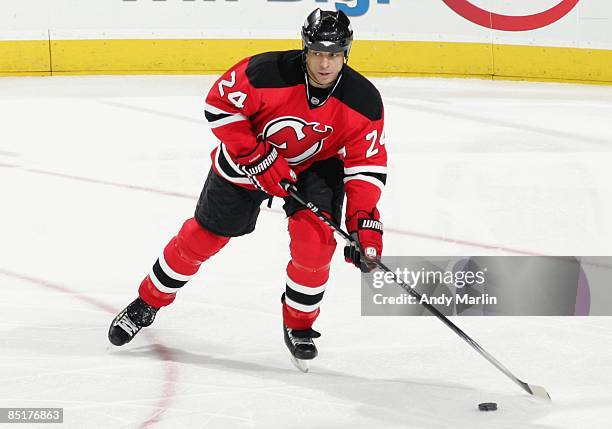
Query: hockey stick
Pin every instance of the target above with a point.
(537, 391)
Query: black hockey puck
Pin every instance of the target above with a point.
(487, 406)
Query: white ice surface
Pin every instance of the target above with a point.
(97, 173)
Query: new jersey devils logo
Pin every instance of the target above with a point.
(296, 139)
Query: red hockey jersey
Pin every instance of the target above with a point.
(266, 97)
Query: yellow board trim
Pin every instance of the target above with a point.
(546, 63)
(373, 58)
(14, 74)
(161, 56)
(19, 57)
(428, 58)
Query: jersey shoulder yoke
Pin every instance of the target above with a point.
(280, 69)
(358, 93)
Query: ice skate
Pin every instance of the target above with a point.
(301, 346)
(130, 321)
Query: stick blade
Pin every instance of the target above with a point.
(539, 392)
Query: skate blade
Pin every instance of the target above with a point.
(300, 364)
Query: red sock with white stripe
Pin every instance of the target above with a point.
(179, 262)
(312, 247)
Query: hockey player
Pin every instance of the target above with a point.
(304, 116)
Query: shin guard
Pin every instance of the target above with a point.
(179, 262)
(312, 247)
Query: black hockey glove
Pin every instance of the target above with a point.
(265, 168)
(366, 230)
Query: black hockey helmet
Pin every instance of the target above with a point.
(327, 31)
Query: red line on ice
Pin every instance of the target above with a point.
(392, 230)
(170, 369)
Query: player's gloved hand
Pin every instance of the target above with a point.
(366, 230)
(265, 168)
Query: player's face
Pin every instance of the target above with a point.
(324, 67)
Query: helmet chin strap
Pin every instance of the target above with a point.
(330, 88)
(311, 78)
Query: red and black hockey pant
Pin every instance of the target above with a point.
(225, 210)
